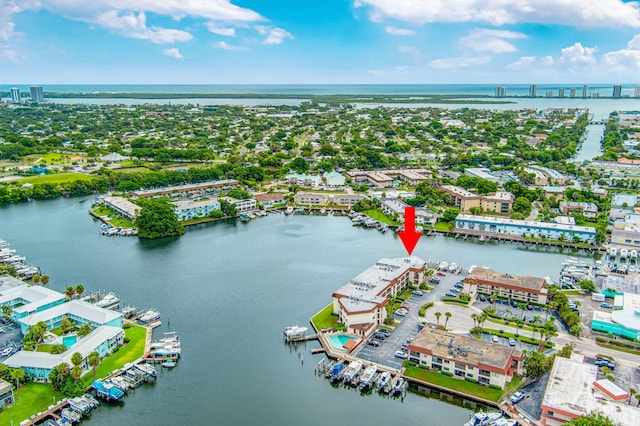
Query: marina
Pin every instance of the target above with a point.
(212, 292)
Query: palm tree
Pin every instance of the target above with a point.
(494, 297)
(482, 318)
(446, 321)
(76, 360)
(474, 317)
(519, 323)
(94, 361)
(438, 315)
(35, 279)
(44, 280)
(17, 374)
(79, 289)
(6, 311)
(633, 393)
(69, 292)
(76, 372)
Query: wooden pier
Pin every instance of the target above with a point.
(50, 413)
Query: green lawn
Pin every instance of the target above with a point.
(443, 226)
(120, 222)
(55, 178)
(103, 211)
(380, 217)
(30, 399)
(469, 388)
(325, 319)
(128, 353)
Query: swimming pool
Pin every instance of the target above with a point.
(69, 341)
(338, 340)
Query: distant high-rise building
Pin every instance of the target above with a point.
(37, 94)
(14, 92)
(501, 91)
(617, 90)
(561, 93)
(549, 93)
(637, 93)
(533, 90)
(572, 93)
(585, 91)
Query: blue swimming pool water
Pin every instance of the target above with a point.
(69, 341)
(338, 340)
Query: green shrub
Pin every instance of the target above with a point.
(447, 373)
(126, 325)
(470, 379)
(495, 387)
(424, 308)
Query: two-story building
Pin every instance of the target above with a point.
(192, 209)
(483, 362)
(523, 288)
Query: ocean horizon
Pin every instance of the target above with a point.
(328, 89)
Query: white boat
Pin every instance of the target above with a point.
(383, 380)
(295, 332)
(352, 371)
(398, 385)
(443, 266)
(504, 422)
(149, 316)
(289, 210)
(367, 376)
(633, 254)
(624, 253)
(168, 363)
(613, 252)
(108, 300)
(453, 266)
(483, 419)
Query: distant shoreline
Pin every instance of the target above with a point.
(335, 98)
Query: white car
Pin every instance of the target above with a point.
(6, 351)
(418, 293)
(401, 354)
(401, 312)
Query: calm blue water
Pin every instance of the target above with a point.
(229, 290)
(327, 89)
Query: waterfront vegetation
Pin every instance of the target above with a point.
(459, 385)
(381, 217)
(326, 319)
(30, 398)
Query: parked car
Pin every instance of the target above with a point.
(404, 346)
(401, 355)
(6, 351)
(418, 293)
(459, 285)
(513, 303)
(482, 298)
(384, 331)
(420, 326)
(450, 294)
(379, 336)
(442, 274)
(529, 308)
(516, 397)
(494, 338)
(373, 343)
(405, 307)
(512, 341)
(401, 313)
(606, 305)
(434, 280)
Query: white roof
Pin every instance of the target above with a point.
(9, 283)
(570, 389)
(78, 308)
(629, 315)
(525, 223)
(46, 360)
(33, 297)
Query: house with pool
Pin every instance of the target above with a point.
(361, 303)
(26, 300)
(78, 311)
(38, 365)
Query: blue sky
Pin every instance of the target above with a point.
(319, 42)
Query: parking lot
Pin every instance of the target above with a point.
(10, 333)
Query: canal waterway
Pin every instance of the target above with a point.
(591, 147)
(229, 290)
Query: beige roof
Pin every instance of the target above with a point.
(502, 279)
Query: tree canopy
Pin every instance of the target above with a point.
(591, 420)
(158, 220)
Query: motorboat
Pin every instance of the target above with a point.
(367, 376)
(613, 252)
(453, 267)
(108, 301)
(399, 385)
(443, 266)
(383, 380)
(295, 332)
(483, 419)
(149, 316)
(169, 363)
(336, 372)
(504, 422)
(352, 371)
(633, 254)
(624, 252)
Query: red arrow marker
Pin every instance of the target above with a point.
(409, 236)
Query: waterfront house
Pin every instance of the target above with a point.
(630, 236)
(124, 207)
(471, 359)
(311, 199)
(27, 300)
(79, 311)
(498, 202)
(573, 390)
(38, 365)
(523, 288)
(586, 209)
(306, 181)
(270, 200)
(361, 303)
(394, 208)
(190, 209)
(346, 200)
(242, 205)
(334, 179)
(526, 228)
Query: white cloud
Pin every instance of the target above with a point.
(578, 56)
(274, 35)
(396, 70)
(225, 31)
(526, 63)
(135, 26)
(408, 49)
(173, 53)
(624, 60)
(226, 46)
(459, 62)
(601, 13)
(484, 40)
(399, 31)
